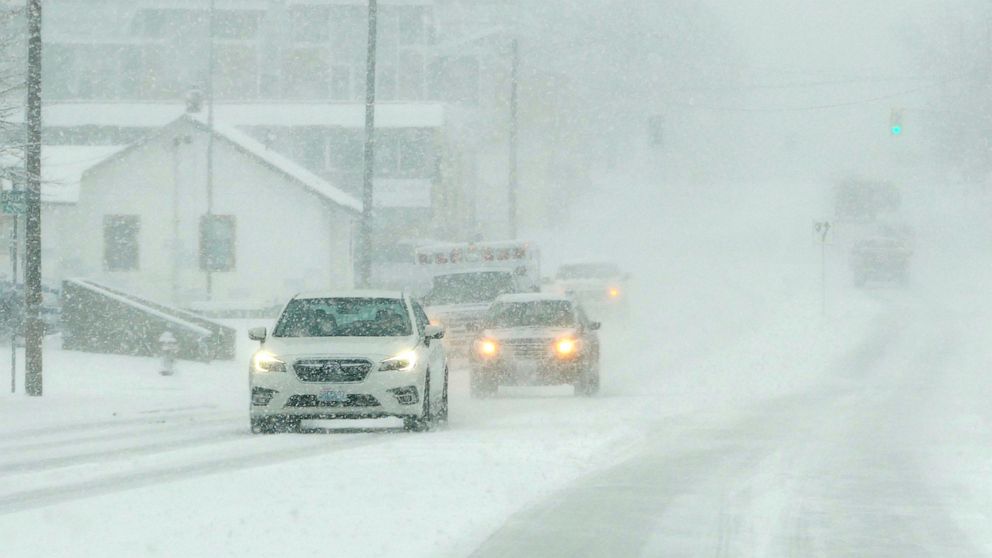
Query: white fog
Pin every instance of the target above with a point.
(582, 278)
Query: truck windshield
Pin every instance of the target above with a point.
(344, 317)
(467, 288)
(543, 313)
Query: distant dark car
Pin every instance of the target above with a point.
(12, 311)
(884, 259)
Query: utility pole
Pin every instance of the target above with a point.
(206, 237)
(32, 226)
(365, 231)
(13, 284)
(512, 187)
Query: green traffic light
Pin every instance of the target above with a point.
(896, 130)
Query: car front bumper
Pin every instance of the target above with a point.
(380, 394)
(525, 372)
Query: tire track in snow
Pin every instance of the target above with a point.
(55, 430)
(29, 499)
(120, 432)
(60, 461)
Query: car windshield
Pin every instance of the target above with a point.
(344, 317)
(542, 313)
(467, 288)
(588, 271)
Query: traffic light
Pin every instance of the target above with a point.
(895, 122)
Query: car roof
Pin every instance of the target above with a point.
(357, 293)
(533, 297)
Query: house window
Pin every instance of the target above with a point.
(217, 242)
(120, 242)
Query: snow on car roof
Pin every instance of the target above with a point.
(533, 297)
(363, 293)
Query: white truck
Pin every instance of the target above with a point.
(467, 277)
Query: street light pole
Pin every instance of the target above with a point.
(206, 237)
(32, 226)
(513, 180)
(365, 231)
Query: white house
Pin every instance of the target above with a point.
(141, 222)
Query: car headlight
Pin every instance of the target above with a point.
(487, 347)
(566, 346)
(403, 362)
(613, 292)
(264, 361)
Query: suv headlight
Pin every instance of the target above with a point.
(264, 361)
(403, 362)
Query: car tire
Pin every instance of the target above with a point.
(442, 410)
(588, 383)
(482, 386)
(424, 422)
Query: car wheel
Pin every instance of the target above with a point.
(442, 410)
(424, 422)
(483, 385)
(588, 383)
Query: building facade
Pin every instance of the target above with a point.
(142, 223)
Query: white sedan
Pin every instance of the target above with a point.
(361, 354)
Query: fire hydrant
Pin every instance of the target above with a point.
(168, 348)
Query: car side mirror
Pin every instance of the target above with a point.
(257, 334)
(433, 332)
(593, 326)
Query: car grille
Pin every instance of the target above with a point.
(352, 400)
(528, 348)
(332, 370)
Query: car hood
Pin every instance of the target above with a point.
(371, 347)
(506, 334)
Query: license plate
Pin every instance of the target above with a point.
(332, 396)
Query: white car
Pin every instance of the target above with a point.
(359, 354)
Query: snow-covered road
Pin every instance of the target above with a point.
(885, 457)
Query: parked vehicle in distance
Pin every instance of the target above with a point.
(601, 287)
(880, 258)
(361, 354)
(12, 310)
(535, 339)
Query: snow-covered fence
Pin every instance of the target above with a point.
(97, 318)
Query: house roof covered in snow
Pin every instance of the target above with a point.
(255, 149)
(156, 115)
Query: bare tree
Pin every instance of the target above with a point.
(12, 87)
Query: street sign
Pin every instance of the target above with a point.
(14, 202)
